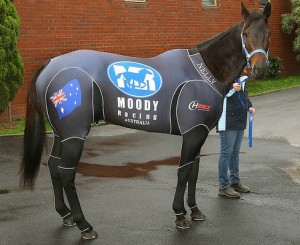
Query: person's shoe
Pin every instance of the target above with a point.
(229, 192)
(240, 188)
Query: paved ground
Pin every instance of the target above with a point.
(127, 181)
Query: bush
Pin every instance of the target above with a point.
(274, 67)
(291, 24)
(11, 65)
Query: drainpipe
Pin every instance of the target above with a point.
(9, 112)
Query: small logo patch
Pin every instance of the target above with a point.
(134, 79)
(196, 105)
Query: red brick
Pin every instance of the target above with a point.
(51, 28)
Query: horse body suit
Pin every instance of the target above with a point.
(174, 93)
(133, 92)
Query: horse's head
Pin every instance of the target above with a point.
(255, 39)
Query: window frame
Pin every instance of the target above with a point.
(136, 1)
(263, 6)
(215, 4)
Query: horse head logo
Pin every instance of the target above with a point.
(135, 79)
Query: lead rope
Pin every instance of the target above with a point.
(240, 80)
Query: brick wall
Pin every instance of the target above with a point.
(282, 43)
(50, 28)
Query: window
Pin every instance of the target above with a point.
(136, 1)
(209, 3)
(263, 3)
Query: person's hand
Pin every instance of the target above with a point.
(252, 110)
(237, 86)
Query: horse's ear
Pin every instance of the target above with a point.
(267, 10)
(244, 11)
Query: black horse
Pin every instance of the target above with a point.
(178, 92)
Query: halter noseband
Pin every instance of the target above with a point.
(248, 56)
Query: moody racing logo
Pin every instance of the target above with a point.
(134, 79)
(196, 105)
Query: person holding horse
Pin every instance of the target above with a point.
(231, 128)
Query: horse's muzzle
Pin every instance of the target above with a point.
(259, 71)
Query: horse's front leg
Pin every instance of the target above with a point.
(196, 214)
(187, 171)
(59, 203)
(71, 153)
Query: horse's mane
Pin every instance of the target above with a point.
(219, 50)
(251, 18)
(217, 37)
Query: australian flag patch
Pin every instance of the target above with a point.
(67, 98)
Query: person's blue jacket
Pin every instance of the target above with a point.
(234, 115)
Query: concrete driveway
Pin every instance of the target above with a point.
(127, 178)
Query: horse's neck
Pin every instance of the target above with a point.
(223, 55)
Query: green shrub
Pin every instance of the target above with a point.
(274, 67)
(291, 24)
(11, 65)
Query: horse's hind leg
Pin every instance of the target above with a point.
(53, 163)
(188, 172)
(71, 153)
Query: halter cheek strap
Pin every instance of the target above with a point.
(248, 56)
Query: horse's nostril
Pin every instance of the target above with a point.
(256, 69)
(258, 72)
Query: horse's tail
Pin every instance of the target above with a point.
(34, 135)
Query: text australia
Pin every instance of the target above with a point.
(137, 111)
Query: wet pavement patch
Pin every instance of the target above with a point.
(3, 191)
(130, 170)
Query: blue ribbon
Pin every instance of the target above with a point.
(250, 129)
(240, 80)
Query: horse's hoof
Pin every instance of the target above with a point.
(89, 235)
(183, 224)
(69, 221)
(197, 215)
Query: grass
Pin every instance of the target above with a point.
(254, 87)
(266, 86)
(10, 128)
(16, 127)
